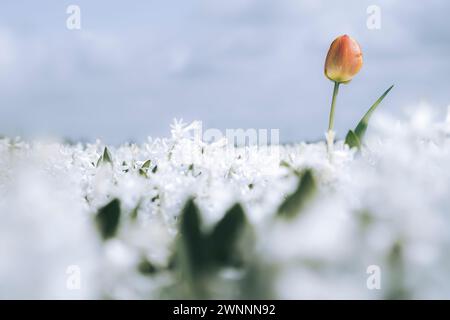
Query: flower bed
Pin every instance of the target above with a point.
(139, 221)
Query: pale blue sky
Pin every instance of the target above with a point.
(136, 65)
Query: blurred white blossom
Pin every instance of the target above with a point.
(386, 206)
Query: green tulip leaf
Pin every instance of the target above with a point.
(146, 164)
(226, 234)
(361, 128)
(201, 254)
(107, 219)
(105, 157)
(144, 169)
(295, 202)
(191, 241)
(145, 267)
(352, 140)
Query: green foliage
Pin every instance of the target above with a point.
(259, 280)
(105, 157)
(357, 135)
(215, 248)
(365, 219)
(135, 211)
(144, 168)
(191, 243)
(146, 164)
(108, 218)
(397, 288)
(295, 202)
(145, 267)
(352, 140)
(199, 255)
(224, 238)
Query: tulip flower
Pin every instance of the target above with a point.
(344, 59)
(343, 62)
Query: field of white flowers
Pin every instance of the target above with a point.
(177, 218)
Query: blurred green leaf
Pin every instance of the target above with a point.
(352, 140)
(146, 267)
(200, 255)
(397, 288)
(365, 218)
(191, 259)
(107, 219)
(297, 200)
(225, 235)
(259, 280)
(219, 247)
(191, 239)
(135, 211)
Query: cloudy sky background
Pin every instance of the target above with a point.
(136, 65)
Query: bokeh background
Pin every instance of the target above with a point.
(134, 66)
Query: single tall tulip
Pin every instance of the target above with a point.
(343, 62)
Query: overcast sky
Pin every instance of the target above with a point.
(135, 65)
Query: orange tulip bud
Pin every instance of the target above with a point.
(344, 59)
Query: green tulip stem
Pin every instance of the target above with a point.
(333, 102)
